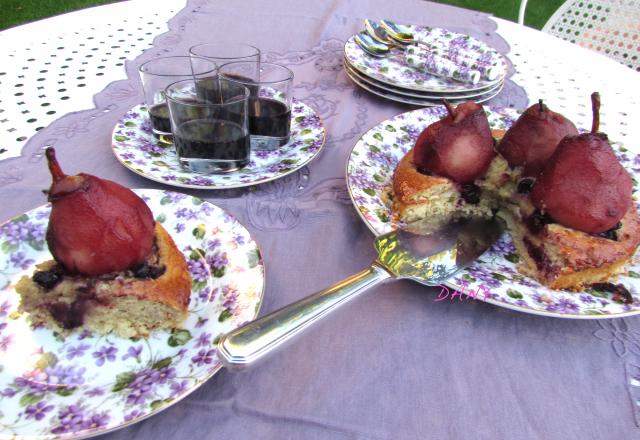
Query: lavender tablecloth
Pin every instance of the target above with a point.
(395, 364)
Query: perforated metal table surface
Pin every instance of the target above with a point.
(54, 66)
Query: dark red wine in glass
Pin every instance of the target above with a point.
(159, 115)
(269, 123)
(212, 145)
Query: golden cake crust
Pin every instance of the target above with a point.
(582, 250)
(585, 259)
(409, 183)
(173, 287)
(116, 303)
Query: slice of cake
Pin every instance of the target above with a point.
(438, 180)
(131, 303)
(566, 258)
(115, 270)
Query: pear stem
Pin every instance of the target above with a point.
(450, 108)
(54, 166)
(595, 108)
(540, 103)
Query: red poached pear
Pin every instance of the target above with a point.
(96, 226)
(533, 138)
(459, 146)
(583, 186)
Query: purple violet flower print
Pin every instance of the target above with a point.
(96, 421)
(4, 309)
(8, 392)
(70, 376)
(105, 354)
(94, 392)
(165, 374)
(38, 411)
(198, 270)
(178, 388)
(133, 415)
(5, 341)
(203, 357)
(77, 351)
(204, 339)
(133, 352)
(70, 419)
(19, 259)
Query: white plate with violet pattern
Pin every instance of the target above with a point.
(378, 91)
(135, 146)
(369, 176)
(394, 70)
(86, 384)
(413, 94)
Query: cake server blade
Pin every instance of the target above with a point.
(429, 259)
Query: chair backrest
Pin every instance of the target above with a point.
(611, 27)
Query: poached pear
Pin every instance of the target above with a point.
(533, 138)
(459, 146)
(96, 226)
(584, 186)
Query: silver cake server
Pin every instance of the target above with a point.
(428, 259)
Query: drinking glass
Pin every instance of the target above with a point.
(210, 136)
(270, 87)
(225, 52)
(157, 74)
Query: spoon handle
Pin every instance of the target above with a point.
(244, 345)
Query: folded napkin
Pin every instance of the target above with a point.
(427, 61)
(442, 50)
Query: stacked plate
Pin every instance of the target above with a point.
(392, 77)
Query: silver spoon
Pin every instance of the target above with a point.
(371, 46)
(378, 33)
(400, 33)
(428, 259)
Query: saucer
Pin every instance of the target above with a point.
(135, 146)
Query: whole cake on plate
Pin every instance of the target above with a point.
(114, 269)
(564, 196)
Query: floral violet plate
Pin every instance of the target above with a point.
(355, 75)
(137, 149)
(87, 384)
(383, 93)
(394, 70)
(369, 176)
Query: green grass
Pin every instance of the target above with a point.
(17, 12)
(537, 14)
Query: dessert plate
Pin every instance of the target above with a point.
(353, 73)
(384, 93)
(136, 148)
(369, 175)
(394, 70)
(86, 384)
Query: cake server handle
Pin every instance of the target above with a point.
(428, 259)
(243, 346)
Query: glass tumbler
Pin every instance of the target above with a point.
(157, 74)
(270, 100)
(210, 136)
(225, 52)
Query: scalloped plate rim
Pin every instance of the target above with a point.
(416, 93)
(418, 101)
